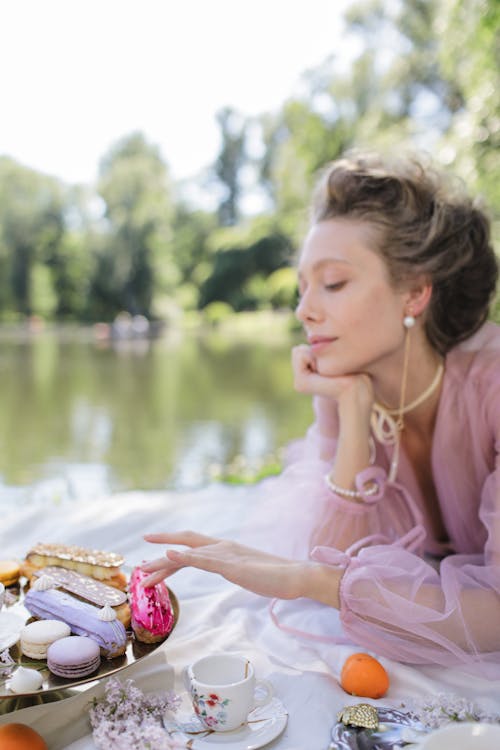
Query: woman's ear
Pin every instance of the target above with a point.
(419, 295)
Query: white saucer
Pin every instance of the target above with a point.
(264, 725)
(11, 625)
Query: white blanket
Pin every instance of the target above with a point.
(214, 616)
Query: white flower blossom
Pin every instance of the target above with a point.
(7, 663)
(443, 709)
(126, 719)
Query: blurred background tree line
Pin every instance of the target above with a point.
(426, 76)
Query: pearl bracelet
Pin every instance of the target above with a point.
(371, 489)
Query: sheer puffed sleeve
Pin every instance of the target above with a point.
(399, 605)
(317, 516)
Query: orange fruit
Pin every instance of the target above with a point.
(364, 676)
(20, 737)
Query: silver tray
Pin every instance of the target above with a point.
(394, 725)
(56, 688)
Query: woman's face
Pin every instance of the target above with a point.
(352, 315)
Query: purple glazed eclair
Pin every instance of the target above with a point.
(100, 624)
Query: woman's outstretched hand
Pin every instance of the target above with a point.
(251, 569)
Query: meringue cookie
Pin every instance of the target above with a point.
(44, 583)
(107, 614)
(25, 680)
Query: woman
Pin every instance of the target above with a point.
(395, 276)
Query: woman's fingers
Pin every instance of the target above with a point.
(159, 569)
(162, 567)
(188, 538)
(252, 569)
(154, 578)
(303, 365)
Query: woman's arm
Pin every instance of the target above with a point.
(340, 438)
(391, 601)
(353, 396)
(260, 572)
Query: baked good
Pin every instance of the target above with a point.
(100, 624)
(151, 609)
(10, 571)
(37, 636)
(85, 587)
(104, 566)
(73, 657)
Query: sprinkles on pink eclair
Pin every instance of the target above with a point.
(151, 609)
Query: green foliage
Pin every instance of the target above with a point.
(282, 285)
(234, 267)
(31, 230)
(242, 471)
(426, 75)
(231, 159)
(470, 52)
(191, 251)
(298, 142)
(495, 310)
(216, 313)
(134, 185)
(71, 268)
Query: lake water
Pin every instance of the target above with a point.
(79, 418)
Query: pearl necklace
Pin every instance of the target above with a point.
(386, 429)
(419, 400)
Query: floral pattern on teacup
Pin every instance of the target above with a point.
(210, 708)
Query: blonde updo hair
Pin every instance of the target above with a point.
(423, 226)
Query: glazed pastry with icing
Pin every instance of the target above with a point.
(9, 572)
(104, 566)
(82, 617)
(151, 609)
(85, 587)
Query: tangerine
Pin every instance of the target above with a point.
(20, 737)
(364, 676)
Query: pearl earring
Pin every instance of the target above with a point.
(408, 321)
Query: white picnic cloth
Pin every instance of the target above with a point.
(214, 616)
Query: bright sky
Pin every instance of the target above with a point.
(76, 75)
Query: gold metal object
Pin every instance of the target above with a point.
(362, 715)
(56, 688)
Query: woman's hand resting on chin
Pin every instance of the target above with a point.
(353, 391)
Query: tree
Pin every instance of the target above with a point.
(235, 267)
(470, 52)
(136, 260)
(32, 228)
(232, 158)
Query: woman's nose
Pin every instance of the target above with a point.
(305, 309)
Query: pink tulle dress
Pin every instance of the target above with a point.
(406, 594)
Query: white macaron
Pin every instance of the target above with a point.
(37, 636)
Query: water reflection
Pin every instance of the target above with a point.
(78, 417)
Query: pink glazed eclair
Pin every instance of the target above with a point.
(151, 609)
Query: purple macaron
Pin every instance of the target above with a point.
(75, 656)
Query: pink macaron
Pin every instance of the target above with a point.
(73, 657)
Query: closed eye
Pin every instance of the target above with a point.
(335, 287)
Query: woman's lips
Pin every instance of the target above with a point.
(318, 343)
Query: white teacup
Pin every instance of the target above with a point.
(223, 690)
(2, 594)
